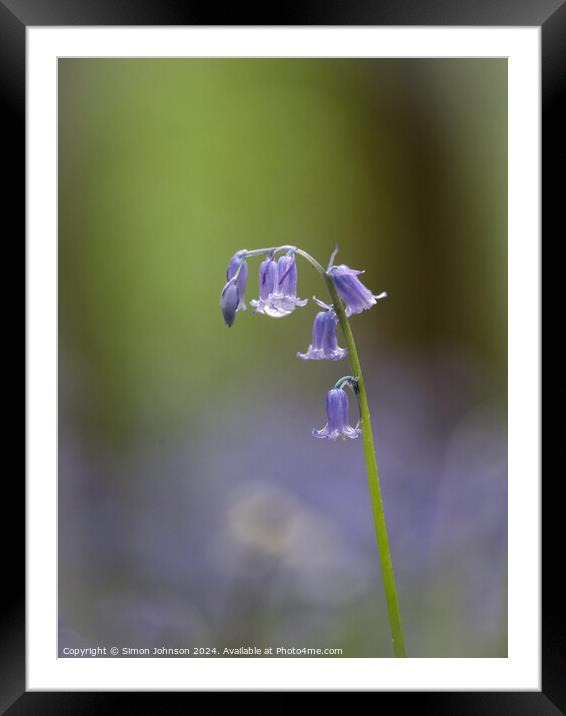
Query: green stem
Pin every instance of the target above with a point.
(373, 480)
(369, 451)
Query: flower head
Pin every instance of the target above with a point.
(337, 413)
(355, 295)
(278, 287)
(324, 344)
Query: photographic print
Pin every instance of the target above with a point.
(282, 357)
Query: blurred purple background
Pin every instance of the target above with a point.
(195, 508)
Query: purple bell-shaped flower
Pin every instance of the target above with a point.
(355, 295)
(324, 344)
(337, 413)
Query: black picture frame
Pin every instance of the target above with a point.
(15, 16)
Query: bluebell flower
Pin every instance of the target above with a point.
(278, 287)
(324, 344)
(232, 296)
(229, 301)
(268, 274)
(337, 413)
(239, 268)
(355, 295)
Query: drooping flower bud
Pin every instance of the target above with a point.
(232, 296)
(229, 301)
(238, 267)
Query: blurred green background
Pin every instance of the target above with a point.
(193, 503)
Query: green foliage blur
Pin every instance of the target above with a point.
(167, 167)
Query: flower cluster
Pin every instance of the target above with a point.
(278, 298)
(278, 286)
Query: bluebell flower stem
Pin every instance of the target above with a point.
(373, 479)
(356, 382)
